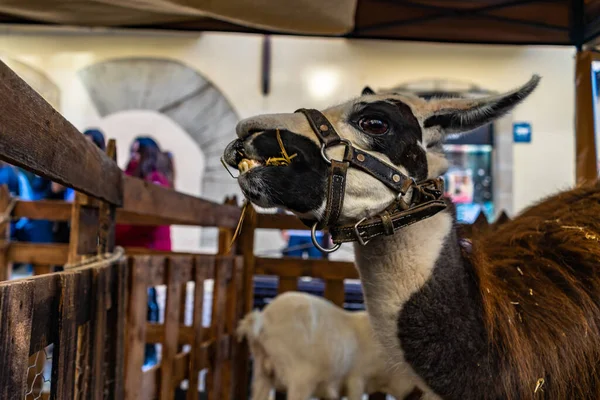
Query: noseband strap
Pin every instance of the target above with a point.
(426, 198)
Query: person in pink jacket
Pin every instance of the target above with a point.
(144, 164)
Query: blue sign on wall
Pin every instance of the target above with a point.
(522, 132)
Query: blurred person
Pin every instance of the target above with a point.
(166, 166)
(144, 164)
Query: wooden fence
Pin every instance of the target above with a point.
(90, 319)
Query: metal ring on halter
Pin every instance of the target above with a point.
(412, 186)
(227, 168)
(313, 237)
(323, 148)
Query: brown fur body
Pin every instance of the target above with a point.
(539, 277)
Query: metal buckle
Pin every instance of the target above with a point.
(344, 142)
(227, 168)
(402, 193)
(313, 237)
(358, 237)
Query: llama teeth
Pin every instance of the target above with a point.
(246, 165)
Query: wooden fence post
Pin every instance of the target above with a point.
(83, 239)
(245, 248)
(5, 265)
(107, 213)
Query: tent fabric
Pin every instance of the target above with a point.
(557, 22)
(331, 17)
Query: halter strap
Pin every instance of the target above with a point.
(425, 200)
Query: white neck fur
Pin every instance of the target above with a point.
(392, 268)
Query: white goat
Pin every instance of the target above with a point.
(308, 346)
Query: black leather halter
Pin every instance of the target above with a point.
(426, 197)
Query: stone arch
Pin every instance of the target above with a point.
(502, 159)
(39, 81)
(180, 93)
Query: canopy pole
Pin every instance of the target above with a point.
(585, 139)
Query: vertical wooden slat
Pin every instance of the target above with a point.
(234, 286)
(65, 348)
(5, 265)
(245, 248)
(287, 284)
(141, 267)
(169, 345)
(107, 212)
(98, 331)
(585, 138)
(334, 291)
(116, 321)
(16, 315)
(222, 273)
(83, 239)
(203, 269)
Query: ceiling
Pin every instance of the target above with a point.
(551, 22)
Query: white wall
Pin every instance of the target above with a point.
(319, 72)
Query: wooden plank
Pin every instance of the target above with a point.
(287, 284)
(234, 311)
(5, 264)
(203, 269)
(51, 210)
(169, 345)
(279, 221)
(136, 324)
(65, 349)
(38, 253)
(16, 314)
(222, 272)
(227, 367)
(149, 383)
(184, 264)
(98, 332)
(83, 239)
(58, 210)
(46, 292)
(245, 248)
(586, 162)
(297, 267)
(143, 197)
(33, 135)
(117, 318)
(334, 291)
(107, 212)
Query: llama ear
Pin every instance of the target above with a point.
(367, 90)
(463, 115)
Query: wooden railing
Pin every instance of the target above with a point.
(96, 344)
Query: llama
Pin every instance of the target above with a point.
(515, 317)
(310, 347)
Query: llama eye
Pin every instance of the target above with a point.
(373, 126)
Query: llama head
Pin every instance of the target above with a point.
(401, 130)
